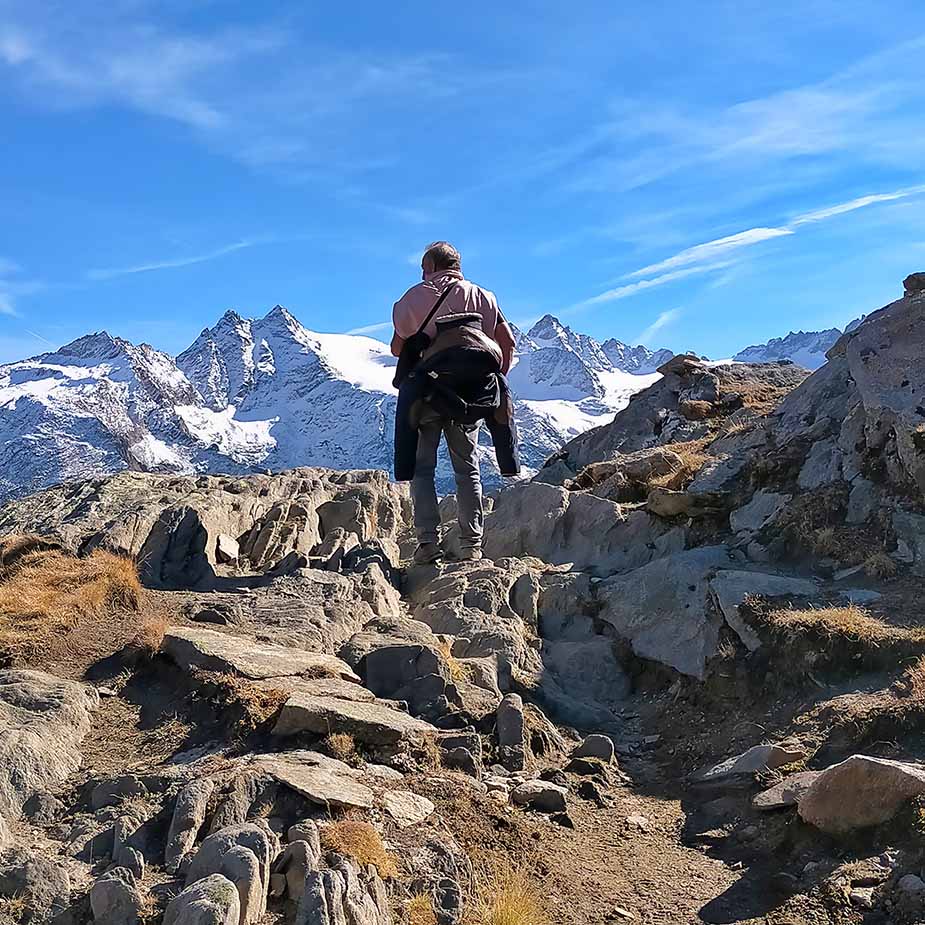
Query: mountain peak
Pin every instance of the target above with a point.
(99, 345)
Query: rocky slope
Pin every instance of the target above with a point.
(685, 684)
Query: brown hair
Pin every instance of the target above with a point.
(443, 256)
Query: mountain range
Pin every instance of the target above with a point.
(268, 394)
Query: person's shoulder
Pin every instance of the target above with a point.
(413, 294)
(486, 294)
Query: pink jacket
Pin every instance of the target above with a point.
(414, 306)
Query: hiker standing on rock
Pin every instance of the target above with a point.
(454, 349)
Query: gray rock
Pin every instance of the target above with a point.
(188, 819)
(762, 509)
(596, 746)
(43, 720)
(823, 466)
(298, 858)
(859, 792)
(318, 778)
(307, 831)
(243, 854)
(371, 723)
(210, 901)
(863, 501)
(759, 758)
(787, 792)
(115, 898)
(910, 529)
(406, 808)
(661, 608)
(341, 895)
(461, 759)
(510, 730)
(195, 647)
(911, 883)
(540, 795)
(591, 533)
(37, 878)
(114, 791)
(730, 588)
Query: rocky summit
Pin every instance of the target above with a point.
(686, 683)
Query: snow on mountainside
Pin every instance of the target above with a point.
(265, 393)
(804, 348)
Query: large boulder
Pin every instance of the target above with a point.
(43, 720)
(590, 533)
(663, 609)
(859, 792)
(188, 818)
(116, 899)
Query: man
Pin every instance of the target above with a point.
(442, 272)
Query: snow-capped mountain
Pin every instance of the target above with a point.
(805, 348)
(265, 393)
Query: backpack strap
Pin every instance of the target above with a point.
(437, 305)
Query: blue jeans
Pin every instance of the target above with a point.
(462, 443)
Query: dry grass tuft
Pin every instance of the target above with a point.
(360, 841)
(151, 630)
(850, 621)
(341, 745)
(46, 592)
(880, 565)
(506, 895)
(458, 671)
(420, 910)
(693, 457)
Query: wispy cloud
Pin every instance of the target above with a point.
(862, 202)
(663, 320)
(631, 289)
(371, 328)
(712, 251)
(720, 253)
(171, 264)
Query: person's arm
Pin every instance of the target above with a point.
(398, 312)
(505, 338)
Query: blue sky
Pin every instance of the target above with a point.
(699, 175)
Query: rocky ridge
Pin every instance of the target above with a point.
(683, 685)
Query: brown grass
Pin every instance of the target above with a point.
(880, 565)
(341, 745)
(506, 895)
(458, 671)
(151, 630)
(761, 396)
(693, 457)
(360, 841)
(47, 592)
(420, 910)
(246, 705)
(850, 621)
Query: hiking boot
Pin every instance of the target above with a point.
(427, 553)
(473, 554)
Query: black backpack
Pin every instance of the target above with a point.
(414, 346)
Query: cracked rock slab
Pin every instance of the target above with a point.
(372, 723)
(192, 647)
